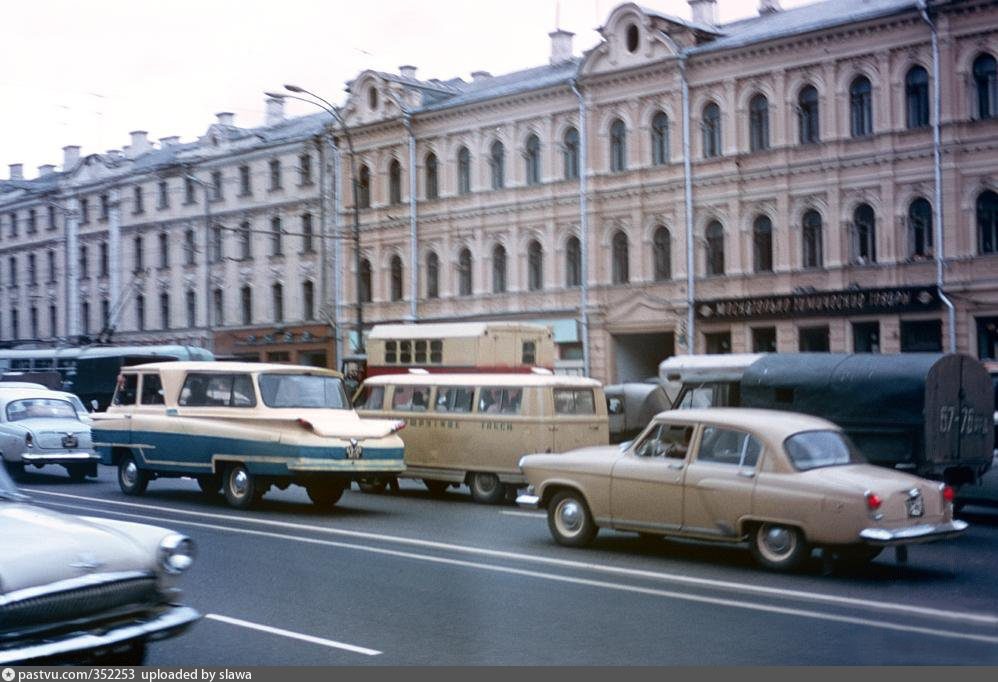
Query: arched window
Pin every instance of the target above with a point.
(573, 262)
(987, 222)
(807, 115)
(662, 253)
(715, 248)
(364, 293)
(570, 154)
(277, 292)
(916, 93)
(864, 238)
(618, 146)
(811, 256)
(463, 171)
(432, 186)
(920, 228)
(396, 275)
(395, 182)
(659, 139)
(861, 107)
(620, 270)
(364, 187)
(535, 266)
(711, 128)
(432, 275)
(758, 123)
(498, 269)
(532, 157)
(986, 84)
(762, 244)
(464, 272)
(497, 163)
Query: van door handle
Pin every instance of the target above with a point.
(676, 465)
(747, 474)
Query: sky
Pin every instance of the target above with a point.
(90, 72)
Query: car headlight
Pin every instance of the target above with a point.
(176, 553)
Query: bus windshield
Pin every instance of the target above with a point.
(302, 391)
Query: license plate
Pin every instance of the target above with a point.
(916, 506)
(70, 441)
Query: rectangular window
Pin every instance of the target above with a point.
(217, 301)
(138, 200)
(411, 398)
(217, 390)
(105, 206)
(455, 399)
(813, 339)
(529, 355)
(275, 174)
(32, 270)
(764, 339)
(305, 169)
(574, 401)
(139, 264)
(216, 186)
(104, 261)
(13, 224)
(436, 352)
(405, 352)
(921, 336)
(32, 222)
(164, 195)
(391, 352)
(245, 242)
(245, 186)
(164, 250)
(307, 245)
(276, 241)
(51, 264)
(865, 337)
(188, 191)
(495, 400)
(718, 342)
(420, 352)
(152, 390)
(84, 212)
(247, 305)
(52, 218)
(190, 248)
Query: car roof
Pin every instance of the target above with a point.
(13, 394)
(225, 366)
(510, 379)
(21, 384)
(775, 424)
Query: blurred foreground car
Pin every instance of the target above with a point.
(784, 482)
(85, 590)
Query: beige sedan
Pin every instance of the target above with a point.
(784, 482)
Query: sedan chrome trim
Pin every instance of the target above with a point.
(166, 624)
(920, 533)
(528, 501)
(91, 580)
(59, 456)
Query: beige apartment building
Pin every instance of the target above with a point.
(798, 180)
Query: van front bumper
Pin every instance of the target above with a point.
(927, 532)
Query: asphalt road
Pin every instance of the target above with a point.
(406, 579)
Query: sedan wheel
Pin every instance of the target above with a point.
(326, 494)
(569, 519)
(131, 479)
(240, 487)
(486, 488)
(781, 548)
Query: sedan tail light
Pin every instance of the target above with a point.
(949, 494)
(873, 501)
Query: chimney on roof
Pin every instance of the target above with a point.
(407, 71)
(115, 154)
(165, 142)
(47, 169)
(16, 171)
(140, 143)
(70, 156)
(226, 118)
(769, 7)
(275, 111)
(561, 46)
(704, 11)
(480, 75)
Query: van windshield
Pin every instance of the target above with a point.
(303, 391)
(814, 449)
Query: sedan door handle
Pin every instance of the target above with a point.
(747, 474)
(676, 465)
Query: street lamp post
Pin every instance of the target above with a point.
(337, 117)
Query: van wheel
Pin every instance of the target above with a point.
(210, 484)
(325, 494)
(372, 486)
(486, 488)
(569, 519)
(240, 487)
(77, 472)
(778, 547)
(131, 479)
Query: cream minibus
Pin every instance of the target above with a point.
(473, 428)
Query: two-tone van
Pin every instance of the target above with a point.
(242, 428)
(473, 428)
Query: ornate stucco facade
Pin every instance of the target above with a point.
(810, 174)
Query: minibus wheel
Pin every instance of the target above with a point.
(240, 487)
(486, 488)
(131, 479)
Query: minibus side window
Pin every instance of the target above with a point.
(529, 352)
(421, 352)
(500, 400)
(391, 357)
(574, 401)
(405, 352)
(455, 399)
(152, 390)
(411, 398)
(372, 397)
(436, 352)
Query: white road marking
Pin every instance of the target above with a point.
(682, 596)
(979, 618)
(292, 635)
(535, 515)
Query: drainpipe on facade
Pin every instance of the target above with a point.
(70, 216)
(938, 171)
(691, 338)
(334, 180)
(583, 230)
(413, 246)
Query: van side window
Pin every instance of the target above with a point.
(497, 400)
(574, 401)
(372, 397)
(529, 352)
(126, 390)
(217, 390)
(411, 398)
(724, 446)
(152, 390)
(420, 352)
(455, 399)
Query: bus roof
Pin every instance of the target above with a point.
(449, 329)
(512, 379)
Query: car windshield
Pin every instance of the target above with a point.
(303, 391)
(39, 408)
(815, 449)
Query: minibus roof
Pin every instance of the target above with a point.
(222, 366)
(448, 330)
(511, 379)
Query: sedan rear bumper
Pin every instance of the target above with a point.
(912, 534)
(165, 624)
(59, 457)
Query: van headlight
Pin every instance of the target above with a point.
(176, 553)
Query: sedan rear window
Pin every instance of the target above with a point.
(814, 449)
(39, 408)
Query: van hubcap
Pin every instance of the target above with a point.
(130, 473)
(240, 482)
(569, 517)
